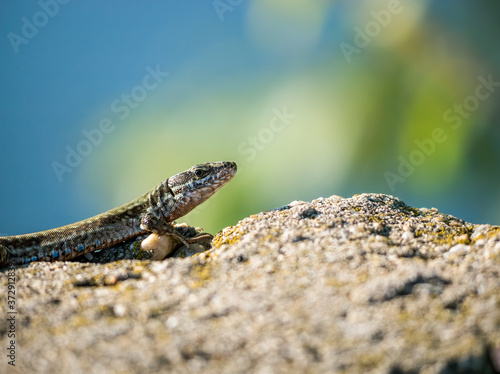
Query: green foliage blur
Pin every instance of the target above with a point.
(327, 98)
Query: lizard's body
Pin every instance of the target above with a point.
(152, 212)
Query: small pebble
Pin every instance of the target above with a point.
(378, 227)
(296, 203)
(119, 310)
(462, 238)
(408, 235)
(110, 279)
(439, 219)
(160, 245)
(458, 249)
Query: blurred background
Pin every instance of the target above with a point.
(103, 100)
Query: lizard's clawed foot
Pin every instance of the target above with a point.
(194, 240)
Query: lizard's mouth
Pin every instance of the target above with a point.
(230, 171)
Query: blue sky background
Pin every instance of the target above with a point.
(228, 74)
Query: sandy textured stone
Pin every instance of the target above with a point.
(357, 285)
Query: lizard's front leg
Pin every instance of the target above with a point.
(156, 225)
(161, 241)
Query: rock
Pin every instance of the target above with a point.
(357, 285)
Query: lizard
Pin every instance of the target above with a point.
(153, 212)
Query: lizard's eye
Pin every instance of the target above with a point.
(200, 172)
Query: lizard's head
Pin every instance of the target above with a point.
(195, 185)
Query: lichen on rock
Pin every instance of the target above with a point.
(355, 285)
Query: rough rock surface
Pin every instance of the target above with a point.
(357, 285)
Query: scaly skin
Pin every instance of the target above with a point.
(152, 212)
